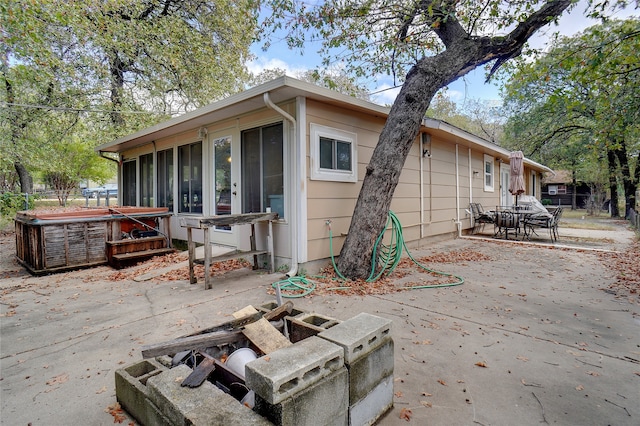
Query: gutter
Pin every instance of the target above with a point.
(102, 154)
(294, 196)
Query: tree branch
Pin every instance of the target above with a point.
(512, 44)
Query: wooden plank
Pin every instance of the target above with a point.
(265, 336)
(234, 255)
(228, 219)
(199, 341)
(234, 324)
(261, 333)
(247, 310)
(199, 374)
(142, 254)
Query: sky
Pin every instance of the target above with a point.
(470, 87)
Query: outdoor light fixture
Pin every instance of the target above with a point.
(426, 140)
(475, 173)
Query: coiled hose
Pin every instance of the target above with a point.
(385, 259)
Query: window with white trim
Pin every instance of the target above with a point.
(333, 154)
(488, 173)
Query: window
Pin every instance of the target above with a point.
(488, 173)
(333, 154)
(146, 180)
(190, 177)
(562, 189)
(552, 189)
(165, 179)
(263, 169)
(534, 183)
(129, 183)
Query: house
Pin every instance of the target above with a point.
(301, 151)
(558, 190)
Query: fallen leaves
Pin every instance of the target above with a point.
(405, 414)
(442, 382)
(522, 358)
(579, 388)
(627, 269)
(117, 412)
(482, 364)
(57, 380)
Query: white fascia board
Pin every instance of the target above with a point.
(432, 123)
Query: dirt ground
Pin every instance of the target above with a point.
(555, 328)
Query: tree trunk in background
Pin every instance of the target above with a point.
(613, 184)
(628, 182)
(26, 181)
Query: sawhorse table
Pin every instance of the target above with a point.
(205, 223)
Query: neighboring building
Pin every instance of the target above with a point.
(558, 190)
(302, 150)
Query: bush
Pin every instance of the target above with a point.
(11, 202)
(546, 202)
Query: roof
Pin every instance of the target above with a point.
(280, 90)
(487, 146)
(560, 176)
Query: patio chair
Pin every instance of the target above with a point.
(530, 224)
(480, 217)
(506, 220)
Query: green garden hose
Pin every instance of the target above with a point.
(385, 259)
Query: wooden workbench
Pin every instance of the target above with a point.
(205, 223)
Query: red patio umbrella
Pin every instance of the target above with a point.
(516, 178)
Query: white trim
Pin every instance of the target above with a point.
(317, 131)
(492, 174)
(301, 174)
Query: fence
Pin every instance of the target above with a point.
(634, 219)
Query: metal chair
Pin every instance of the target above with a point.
(550, 223)
(506, 220)
(480, 217)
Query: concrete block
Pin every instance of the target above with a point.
(359, 335)
(367, 372)
(290, 370)
(307, 324)
(204, 405)
(132, 392)
(322, 404)
(373, 406)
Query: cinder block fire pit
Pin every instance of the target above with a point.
(329, 372)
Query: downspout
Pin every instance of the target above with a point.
(294, 199)
(470, 179)
(421, 188)
(457, 220)
(155, 175)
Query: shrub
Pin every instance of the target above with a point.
(546, 202)
(11, 202)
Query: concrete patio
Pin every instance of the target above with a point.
(529, 338)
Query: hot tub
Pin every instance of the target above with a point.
(60, 240)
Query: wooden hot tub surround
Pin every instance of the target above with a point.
(56, 241)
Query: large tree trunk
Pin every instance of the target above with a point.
(384, 169)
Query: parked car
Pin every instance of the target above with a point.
(102, 190)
